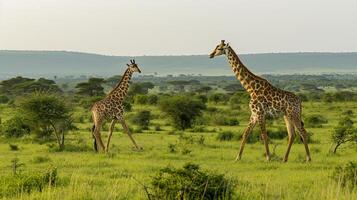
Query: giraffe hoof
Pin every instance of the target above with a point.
(138, 148)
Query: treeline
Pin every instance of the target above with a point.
(49, 112)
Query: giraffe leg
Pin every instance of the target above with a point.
(126, 129)
(94, 141)
(112, 124)
(246, 133)
(300, 127)
(264, 137)
(291, 135)
(98, 139)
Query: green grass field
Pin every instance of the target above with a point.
(120, 174)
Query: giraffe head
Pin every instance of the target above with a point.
(133, 66)
(219, 50)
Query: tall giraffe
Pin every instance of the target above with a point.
(111, 107)
(265, 100)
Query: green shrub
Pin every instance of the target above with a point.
(218, 98)
(234, 102)
(225, 136)
(27, 183)
(41, 159)
(13, 147)
(4, 99)
(152, 99)
(346, 175)
(142, 119)
(182, 110)
(190, 183)
(198, 129)
(344, 133)
(158, 128)
(172, 148)
(88, 102)
(315, 121)
(141, 99)
(221, 119)
(15, 127)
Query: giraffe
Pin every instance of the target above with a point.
(265, 100)
(111, 107)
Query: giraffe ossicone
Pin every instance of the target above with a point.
(265, 100)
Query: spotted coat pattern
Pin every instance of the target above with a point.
(266, 100)
(111, 108)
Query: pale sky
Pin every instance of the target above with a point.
(178, 27)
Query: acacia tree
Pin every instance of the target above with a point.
(93, 87)
(343, 133)
(48, 112)
(183, 110)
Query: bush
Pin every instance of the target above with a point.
(198, 129)
(152, 99)
(234, 102)
(315, 121)
(182, 110)
(49, 113)
(41, 159)
(13, 147)
(158, 128)
(87, 102)
(27, 183)
(218, 98)
(202, 98)
(346, 175)
(4, 99)
(142, 119)
(190, 183)
(141, 99)
(225, 136)
(15, 127)
(343, 133)
(221, 119)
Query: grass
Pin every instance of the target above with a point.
(84, 174)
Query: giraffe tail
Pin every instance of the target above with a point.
(95, 142)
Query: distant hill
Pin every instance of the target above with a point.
(63, 63)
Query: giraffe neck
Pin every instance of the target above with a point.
(122, 87)
(242, 73)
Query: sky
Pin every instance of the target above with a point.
(178, 27)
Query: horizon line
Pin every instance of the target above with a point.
(144, 55)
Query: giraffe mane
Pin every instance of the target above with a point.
(119, 83)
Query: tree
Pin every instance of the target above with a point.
(232, 88)
(20, 86)
(142, 119)
(15, 127)
(343, 133)
(91, 88)
(218, 97)
(113, 81)
(48, 112)
(141, 99)
(183, 110)
(204, 89)
(140, 88)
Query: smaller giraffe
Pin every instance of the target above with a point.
(111, 107)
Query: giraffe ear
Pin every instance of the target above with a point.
(227, 45)
(127, 64)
